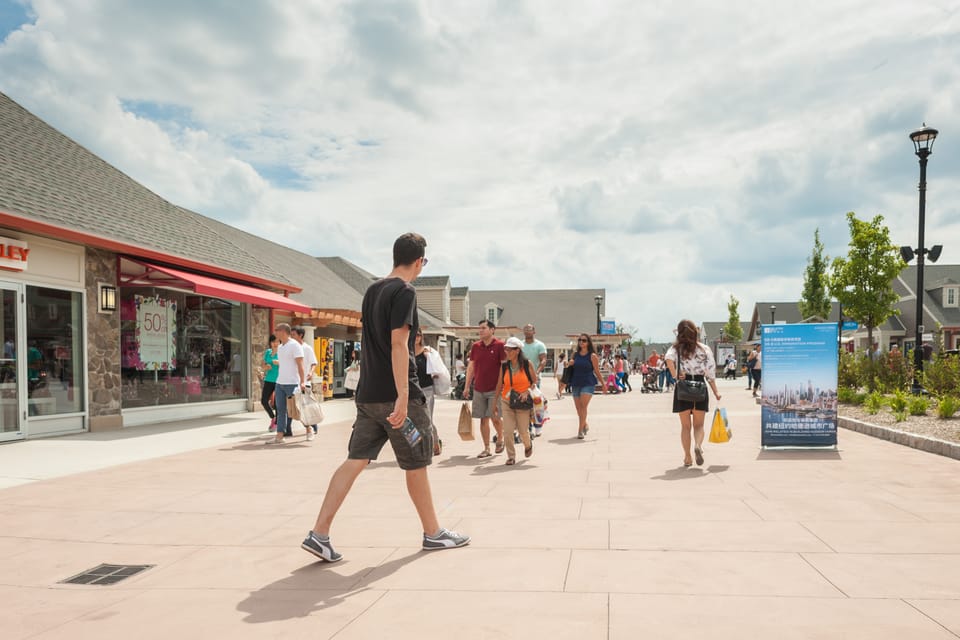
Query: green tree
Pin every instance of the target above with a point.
(814, 301)
(862, 281)
(732, 331)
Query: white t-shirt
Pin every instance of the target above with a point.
(288, 352)
(309, 359)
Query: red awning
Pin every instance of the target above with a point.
(155, 275)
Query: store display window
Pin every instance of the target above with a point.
(55, 359)
(178, 347)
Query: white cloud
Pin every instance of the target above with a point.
(672, 153)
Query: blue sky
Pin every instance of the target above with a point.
(12, 16)
(673, 154)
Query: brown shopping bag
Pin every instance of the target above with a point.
(465, 426)
(293, 409)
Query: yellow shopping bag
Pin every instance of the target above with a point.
(719, 432)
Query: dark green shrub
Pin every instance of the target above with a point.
(848, 396)
(888, 373)
(941, 377)
(848, 372)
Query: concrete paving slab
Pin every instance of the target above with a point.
(413, 615)
(944, 612)
(604, 535)
(705, 573)
(176, 613)
(909, 576)
(713, 536)
(675, 617)
(889, 537)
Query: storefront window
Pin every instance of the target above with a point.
(178, 348)
(55, 364)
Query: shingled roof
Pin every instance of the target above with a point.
(47, 178)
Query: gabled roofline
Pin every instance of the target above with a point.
(60, 233)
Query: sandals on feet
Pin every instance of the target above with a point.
(510, 461)
(580, 435)
(698, 452)
(499, 448)
(528, 451)
(484, 454)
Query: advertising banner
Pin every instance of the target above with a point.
(608, 327)
(156, 332)
(799, 385)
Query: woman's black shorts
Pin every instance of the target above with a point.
(681, 406)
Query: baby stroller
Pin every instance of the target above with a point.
(650, 376)
(457, 391)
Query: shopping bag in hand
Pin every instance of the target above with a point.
(293, 409)
(465, 426)
(311, 413)
(719, 431)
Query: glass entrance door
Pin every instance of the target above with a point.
(11, 415)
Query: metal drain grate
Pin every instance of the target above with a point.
(107, 574)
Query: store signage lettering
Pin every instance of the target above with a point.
(13, 254)
(156, 333)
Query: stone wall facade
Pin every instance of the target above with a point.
(259, 335)
(103, 344)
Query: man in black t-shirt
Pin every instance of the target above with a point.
(388, 394)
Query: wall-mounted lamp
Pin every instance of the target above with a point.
(108, 298)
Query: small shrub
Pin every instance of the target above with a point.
(948, 406)
(942, 375)
(873, 402)
(848, 395)
(848, 372)
(918, 406)
(900, 416)
(899, 402)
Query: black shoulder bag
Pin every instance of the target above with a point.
(694, 391)
(515, 401)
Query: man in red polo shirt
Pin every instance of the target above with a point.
(486, 355)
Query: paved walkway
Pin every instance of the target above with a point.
(604, 538)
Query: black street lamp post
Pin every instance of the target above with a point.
(599, 301)
(923, 146)
(773, 313)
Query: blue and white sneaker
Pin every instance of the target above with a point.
(320, 547)
(445, 539)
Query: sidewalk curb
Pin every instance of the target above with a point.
(913, 440)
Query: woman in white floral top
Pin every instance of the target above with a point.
(695, 363)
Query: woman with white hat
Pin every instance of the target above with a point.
(517, 378)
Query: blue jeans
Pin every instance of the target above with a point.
(284, 422)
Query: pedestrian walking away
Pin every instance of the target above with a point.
(486, 356)
(271, 369)
(309, 368)
(751, 363)
(290, 379)
(757, 371)
(586, 377)
(558, 373)
(390, 404)
(689, 359)
(425, 380)
(536, 354)
(515, 404)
